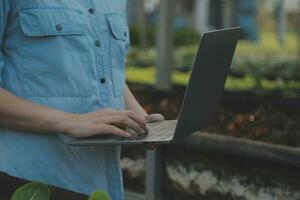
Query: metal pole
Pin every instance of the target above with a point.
(202, 15)
(280, 18)
(142, 23)
(154, 166)
(164, 45)
(298, 30)
(227, 13)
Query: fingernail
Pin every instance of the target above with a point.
(142, 131)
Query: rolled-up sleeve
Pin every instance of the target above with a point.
(4, 9)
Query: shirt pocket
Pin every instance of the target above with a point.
(55, 53)
(119, 43)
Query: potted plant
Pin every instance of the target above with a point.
(40, 191)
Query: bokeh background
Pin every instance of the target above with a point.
(261, 101)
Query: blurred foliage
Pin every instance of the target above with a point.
(268, 45)
(40, 191)
(270, 68)
(182, 36)
(262, 65)
(185, 36)
(134, 35)
(141, 57)
(248, 82)
(98, 195)
(32, 191)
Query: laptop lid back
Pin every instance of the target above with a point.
(207, 81)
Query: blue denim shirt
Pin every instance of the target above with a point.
(67, 55)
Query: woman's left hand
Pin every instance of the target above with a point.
(153, 118)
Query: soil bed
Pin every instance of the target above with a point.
(219, 167)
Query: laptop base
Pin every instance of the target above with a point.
(159, 133)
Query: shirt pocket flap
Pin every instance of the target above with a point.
(51, 21)
(118, 26)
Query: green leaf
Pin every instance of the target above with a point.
(98, 195)
(32, 191)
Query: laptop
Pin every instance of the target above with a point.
(201, 99)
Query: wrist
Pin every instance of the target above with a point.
(61, 122)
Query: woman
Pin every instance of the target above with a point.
(62, 76)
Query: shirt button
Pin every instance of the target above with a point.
(125, 34)
(58, 27)
(91, 11)
(102, 80)
(97, 43)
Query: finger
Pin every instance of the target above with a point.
(138, 119)
(134, 116)
(124, 121)
(154, 118)
(109, 129)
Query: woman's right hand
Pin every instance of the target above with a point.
(102, 122)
